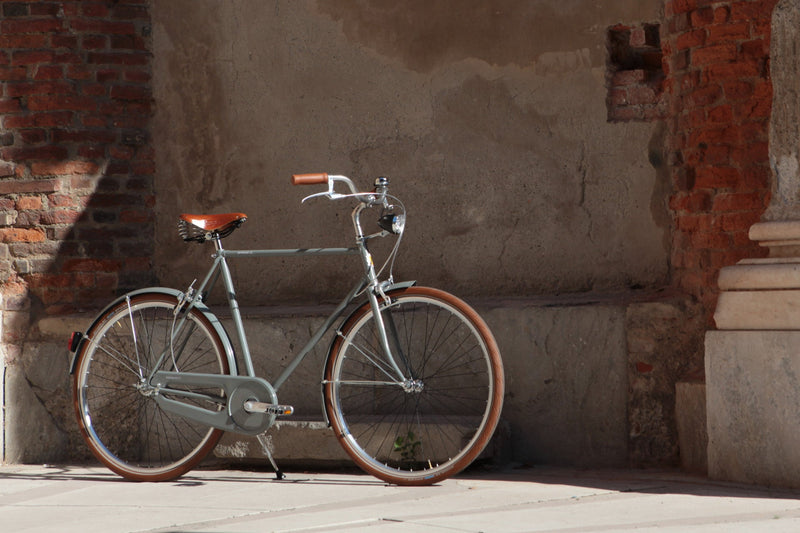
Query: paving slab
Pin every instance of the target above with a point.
(68, 499)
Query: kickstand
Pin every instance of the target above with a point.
(262, 439)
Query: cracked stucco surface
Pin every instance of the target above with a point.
(514, 181)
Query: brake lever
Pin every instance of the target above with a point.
(333, 195)
(329, 194)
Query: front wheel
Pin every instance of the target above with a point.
(435, 419)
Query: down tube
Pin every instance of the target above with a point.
(334, 316)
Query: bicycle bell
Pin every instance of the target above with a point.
(381, 184)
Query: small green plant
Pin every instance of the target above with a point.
(407, 445)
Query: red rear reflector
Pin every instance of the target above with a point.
(74, 340)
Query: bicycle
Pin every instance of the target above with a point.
(412, 384)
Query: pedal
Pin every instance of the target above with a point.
(252, 406)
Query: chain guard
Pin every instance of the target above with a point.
(230, 417)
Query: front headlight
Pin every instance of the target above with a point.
(392, 223)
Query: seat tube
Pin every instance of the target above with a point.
(236, 314)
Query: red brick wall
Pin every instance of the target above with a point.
(76, 163)
(720, 96)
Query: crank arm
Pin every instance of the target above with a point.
(269, 408)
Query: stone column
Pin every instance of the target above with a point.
(753, 359)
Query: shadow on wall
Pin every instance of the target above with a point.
(77, 240)
(76, 193)
(77, 231)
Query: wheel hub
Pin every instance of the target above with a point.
(145, 389)
(413, 386)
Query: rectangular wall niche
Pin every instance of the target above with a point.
(635, 73)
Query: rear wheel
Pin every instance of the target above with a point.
(437, 419)
(119, 418)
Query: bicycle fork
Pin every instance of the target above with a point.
(373, 291)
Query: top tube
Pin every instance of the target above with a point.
(285, 252)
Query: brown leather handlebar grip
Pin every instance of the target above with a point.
(316, 178)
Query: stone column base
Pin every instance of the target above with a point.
(752, 394)
(753, 365)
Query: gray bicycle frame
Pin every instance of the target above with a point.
(221, 264)
(368, 284)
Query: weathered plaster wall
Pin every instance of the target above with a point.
(491, 123)
(784, 133)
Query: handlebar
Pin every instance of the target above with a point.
(321, 178)
(392, 219)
